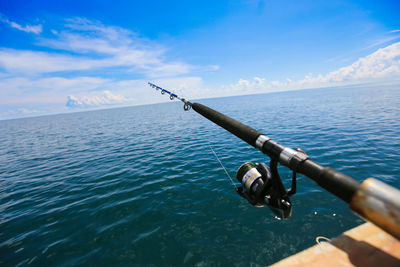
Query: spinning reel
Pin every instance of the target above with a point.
(263, 187)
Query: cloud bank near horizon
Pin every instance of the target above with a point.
(382, 64)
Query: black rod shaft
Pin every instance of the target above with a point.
(333, 181)
(239, 129)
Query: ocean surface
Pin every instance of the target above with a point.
(140, 185)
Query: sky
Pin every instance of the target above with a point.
(66, 56)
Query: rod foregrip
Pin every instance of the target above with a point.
(335, 182)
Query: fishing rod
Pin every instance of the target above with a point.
(372, 199)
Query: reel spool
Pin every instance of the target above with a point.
(251, 179)
(263, 187)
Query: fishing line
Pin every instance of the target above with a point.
(215, 154)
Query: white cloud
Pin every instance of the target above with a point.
(24, 90)
(32, 62)
(102, 47)
(28, 28)
(84, 36)
(384, 64)
(167, 70)
(186, 87)
(256, 85)
(385, 40)
(106, 98)
(27, 111)
(36, 29)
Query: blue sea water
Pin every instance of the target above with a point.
(140, 185)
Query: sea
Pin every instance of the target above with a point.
(140, 186)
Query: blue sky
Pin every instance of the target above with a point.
(62, 56)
